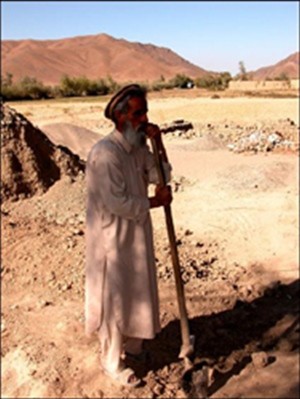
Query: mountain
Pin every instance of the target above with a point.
(289, 67)
(95, 56)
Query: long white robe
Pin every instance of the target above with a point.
(120, 262)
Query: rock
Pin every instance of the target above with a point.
(260, 359)
(285, 345)
(78, 232)
(158, 389)
(245, 292)
(260, 141)
(43, 303)
(66, 287)
(98, 393)
(176, 127)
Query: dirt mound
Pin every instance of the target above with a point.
(31, 163)
(264, 177)
(78, 139)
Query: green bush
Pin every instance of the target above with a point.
(73, 87)
(113, 86)
(283, 77)
(158, 85)
(180, 81)
(82, 86)
(11, 92)
(214, 82)
(33, 89)
(30, 88)
(26, 89)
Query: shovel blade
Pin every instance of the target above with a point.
(187, 349)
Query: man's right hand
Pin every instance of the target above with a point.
(163, 197)
(153, 132)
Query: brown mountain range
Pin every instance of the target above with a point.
(289, 67)
(100, 56)
(95, 57)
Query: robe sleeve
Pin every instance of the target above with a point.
(151, 168)
(106, 180)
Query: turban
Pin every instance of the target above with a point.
(132, 89)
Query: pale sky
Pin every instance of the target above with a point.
(211, 34)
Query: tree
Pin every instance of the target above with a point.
(33, 89)
(113, 86)
(26, 89)
(181, 81)
(7, 80)
(214, 82)
(243, 73)
(225, 78)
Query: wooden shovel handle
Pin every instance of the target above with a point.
(185, 332)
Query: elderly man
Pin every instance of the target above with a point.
(121, 302)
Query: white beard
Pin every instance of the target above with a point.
(135, 137)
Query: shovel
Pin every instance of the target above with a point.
(188, 341)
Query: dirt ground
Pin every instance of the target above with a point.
(236, 217)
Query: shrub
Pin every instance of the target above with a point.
(283, 77)
(214, 82)
(27, 89)
(180, 81)
(113, 86)
(33, 89)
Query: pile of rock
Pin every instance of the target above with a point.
(178, 128)
(259, 141)
(31, 163)
(282, 135)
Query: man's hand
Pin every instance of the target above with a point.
(153, 131)
(163, 197)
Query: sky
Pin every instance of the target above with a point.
(214, 35)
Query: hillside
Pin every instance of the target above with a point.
(289, 66)
(100, 56)
(96, 56)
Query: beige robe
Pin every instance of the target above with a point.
(120, 263)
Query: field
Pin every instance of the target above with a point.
(236, 218)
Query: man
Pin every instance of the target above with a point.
(121, 302)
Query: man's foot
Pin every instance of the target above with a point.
(125, 377)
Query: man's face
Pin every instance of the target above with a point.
(137, 112)
(135, 120)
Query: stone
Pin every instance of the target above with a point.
(260, 359)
